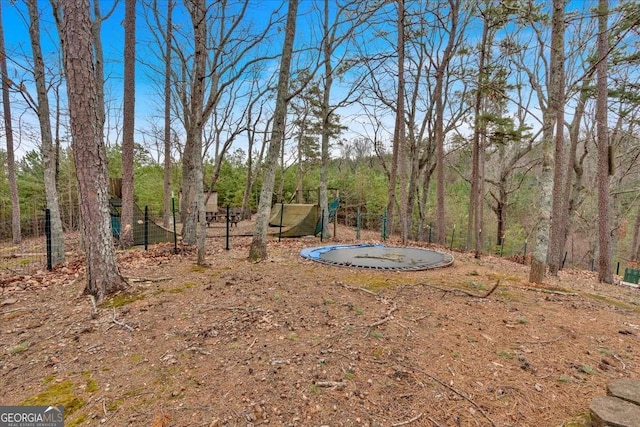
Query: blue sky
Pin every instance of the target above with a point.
(147, 99)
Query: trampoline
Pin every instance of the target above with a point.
(378, 257)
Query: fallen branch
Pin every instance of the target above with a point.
(624, 367)
(199, 350)
(541, 342)
(409, 421)
(121, 324)
(551, 291)
(462, 291)
(385, 319)
(148, 279)
(355, 288)
(16, 310)
(331, 384)
(58, 333)
(252, 344)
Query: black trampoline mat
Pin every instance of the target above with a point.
(379, 257)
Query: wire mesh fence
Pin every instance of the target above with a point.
(28, 254)
(517, 249)
(33, 251)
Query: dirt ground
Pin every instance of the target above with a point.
(290, 342)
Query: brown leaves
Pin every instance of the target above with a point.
(161, 420)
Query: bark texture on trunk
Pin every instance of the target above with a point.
(195, 222)
(559, 220)
(103, 276)
(605, 270)
(258, 250)
(128, 123)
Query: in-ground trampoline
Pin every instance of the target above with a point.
(376, 256)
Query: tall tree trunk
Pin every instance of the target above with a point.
(168, 38)
(605, 273)
(539, 261)
(326, 123)
(413, 163)
(128, 123)
(573, 174)
(48, 150)
(635, 244)
(300, 174)
(397, 147)
(96, 29)
(399, 131)
(280, 193)
(194, 230)
(8, 129)
(559, 216)
(475, 195)
(103, 277)
(439, 123)
(258, 250)
(252, 171)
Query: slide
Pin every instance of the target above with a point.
(297, 219)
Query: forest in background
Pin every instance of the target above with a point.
(442, 113)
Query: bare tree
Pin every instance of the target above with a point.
(8, 127)
(103, 276)
(399, 135)
(194, 222)
(559, 218)
(439, 134)
(539, 260)
(476, 199)
(397, 156)
(49, 155)
(252, 171)
(96, 30)
(225, 55)
(258, 250)
(168, 38)
(128, 125)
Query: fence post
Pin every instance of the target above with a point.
(430, 229)
(501, 246)
(281, 219)
(175, 234)
(47, 232)
(228, 221)
(146, 228)
(358, 224)
(453, 235)
(384, 226)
